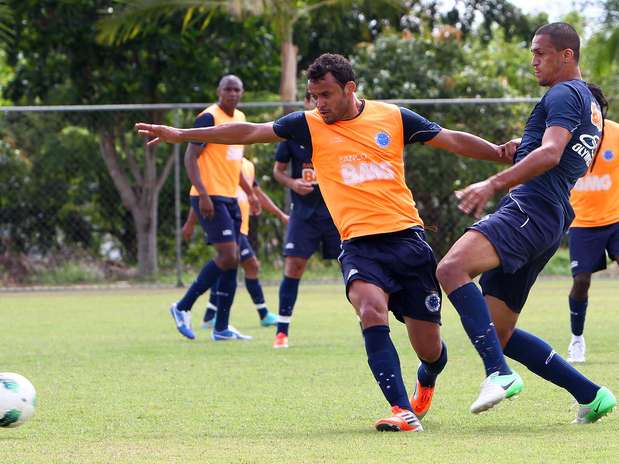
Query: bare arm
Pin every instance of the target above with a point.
(473, 199)
(191, 166)
(188, 227)
(254, 203)
(270, 206)
(300, 186)
(233, 133)
(471, 146)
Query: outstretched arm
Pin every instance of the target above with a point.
(473, 199)
(471, 146)
(233, 133)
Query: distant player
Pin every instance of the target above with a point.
(215, 174)
(248, 260)
(357, 153)
(594, 232)
(310, 228)
(512, 245)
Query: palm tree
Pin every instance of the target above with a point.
(6, 17)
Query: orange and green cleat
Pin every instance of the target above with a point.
(402, 420)
(422, 400)
(281, 340)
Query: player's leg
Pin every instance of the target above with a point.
(294, 267)
(578, 301)
(208, 320)
(471, 255)
(251, 268)
(370, 302)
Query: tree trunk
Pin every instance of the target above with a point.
(288, 82)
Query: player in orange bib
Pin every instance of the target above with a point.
(357, 153)
(594, 232)
(215, 173)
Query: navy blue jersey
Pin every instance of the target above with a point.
(203, 120)
(300, 159)
(570, 105)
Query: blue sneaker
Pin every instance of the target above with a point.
(183, 321)
(269, 320)
(229, 334)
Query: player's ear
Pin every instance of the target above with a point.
(568, 55)
(350, 88)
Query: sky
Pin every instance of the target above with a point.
(556, 12)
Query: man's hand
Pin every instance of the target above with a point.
(254, 205)
(302, 187)
(206, 207)
(157, 133)
(508, 150)
(187, 231)
(474, 198)
(284, 218)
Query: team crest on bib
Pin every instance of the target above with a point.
(608, 155)
(433, 302)
(382, 139)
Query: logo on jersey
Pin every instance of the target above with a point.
(358, 173)
(309, 175)
(586, 146)
(382, 139)
(608, 155)
(235, 152)
(593, 183)
(573, 264)
(596, 116)
(433, 302)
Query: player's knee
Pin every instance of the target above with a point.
(580, 286)
(227, 260)
(252, 267)
(448, 270)
(372, 313)
(295, 268)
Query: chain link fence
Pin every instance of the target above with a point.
(82, 199)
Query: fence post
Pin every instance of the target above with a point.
(177, 203)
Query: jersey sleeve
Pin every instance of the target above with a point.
(282, 152)
(294, 127)
(564, 107)
(417, 128)
(203, 120)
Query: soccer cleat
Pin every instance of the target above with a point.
(229, 334)
(602, 404)
(183, 321)
(281, 340)
(421, 400)
(576, 350)
(269, 320)
(210, 324)
(402, 420)
(495, 389)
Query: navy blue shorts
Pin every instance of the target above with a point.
(525, 233)
(589, 245)
(246, 251)
(226, 223)
(403, 265)
(305, 236)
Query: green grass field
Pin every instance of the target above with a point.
(117, 384)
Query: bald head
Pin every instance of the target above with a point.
(229, 93)
(230, 79)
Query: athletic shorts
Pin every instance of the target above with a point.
(525, 232)
(589, 246)
(403, 265)
(225, 226)
(246, 250)
(306, 236)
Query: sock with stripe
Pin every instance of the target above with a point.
(578, 312)
(225, 297)
(288, 291)
(257, 296)
(206, 279)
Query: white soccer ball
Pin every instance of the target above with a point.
(17, 399)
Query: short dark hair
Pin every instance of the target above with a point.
(337, 65)
(562, 36)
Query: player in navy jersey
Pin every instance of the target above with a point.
(310, 226)
(511, 246)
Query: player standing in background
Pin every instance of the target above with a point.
(511, 246)
(248, 260)
(310, 226)
(357, 153)
(594, 232)
(215, 173)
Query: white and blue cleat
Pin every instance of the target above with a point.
(182, 319)
(229, 334)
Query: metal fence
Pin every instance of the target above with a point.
(80, 192)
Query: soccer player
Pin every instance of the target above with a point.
(357, 153)
(310, 224)
(248, 260)
(215, 173)
(511, 246)
(594, 232)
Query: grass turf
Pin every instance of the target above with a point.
(117, 383)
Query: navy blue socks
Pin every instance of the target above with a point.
(578, 311)
(255, 292)
(385, 365)
(288, 290)
(225, 296)
(539, 357)
(206, 279)
(428, 372)
(475, 317)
